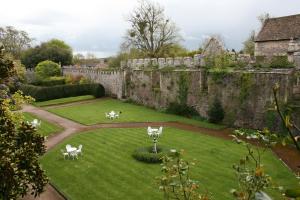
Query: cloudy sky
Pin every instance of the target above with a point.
(97, 26)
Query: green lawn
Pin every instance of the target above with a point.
(93, 113)
(46, 128)
(63, 100)
(107, 171)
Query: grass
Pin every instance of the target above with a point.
(93, 113)
(107, 170)
(46, 128)
(63, 100)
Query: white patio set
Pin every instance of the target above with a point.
(72, 152)
(112, 115)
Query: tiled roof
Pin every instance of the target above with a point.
(281, 28)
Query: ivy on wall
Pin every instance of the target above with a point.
(246, 84)
(183, 88)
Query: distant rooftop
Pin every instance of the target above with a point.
(280, 28)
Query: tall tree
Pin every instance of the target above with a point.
(15, 41)
(55, 50)
(150, 30)
(20, 146)
(249, 44)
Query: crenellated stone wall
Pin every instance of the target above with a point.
(191, 62)
(112, 81)
(245, 95)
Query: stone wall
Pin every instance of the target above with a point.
(245, 95)
(271, 48)
(112, 81)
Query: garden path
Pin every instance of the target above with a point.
(288, 155)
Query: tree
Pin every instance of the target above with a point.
(47, 69)
(263, 17)
(216, 112)
(55, 50)
(6, 66)
(15, 41)
(151, 32)
(249, 44)
(20, 146)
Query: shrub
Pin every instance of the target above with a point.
(73, 79)
(182, 109)
(47, 69)
(280, 62)
(62, 91)
(216, 112)
(55, 80)
(145, 154)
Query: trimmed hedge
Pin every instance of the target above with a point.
(62, 91)
(50, 81)
(145, 154)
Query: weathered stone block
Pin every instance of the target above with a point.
(161, 62)
(178, 61)
(147, 62)
(188, 61)
(170, 62)
(154, 61)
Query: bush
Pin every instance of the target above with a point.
(280, 62)
(71, 79)
(216, 112)
(55, 80)
(145, 154)
(62, 91)
(47, 69)
(182, 109)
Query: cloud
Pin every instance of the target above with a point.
(98, 25)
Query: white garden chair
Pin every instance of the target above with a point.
(107, 115)
(149, 130)
(79, 150)
(74, 154)
(65, 154)
(160, 130)
(36, 123)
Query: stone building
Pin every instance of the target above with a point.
(279, 36)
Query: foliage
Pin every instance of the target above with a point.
(249, 44)
(216, 112)
(286, 118)
(7, 68)
(151, 32)
(250, 171)
(51, 81)
(74, 79)
(146, 154)
(280, 62)
(62, 91)
(183, 88)
(182, 110)
(55, 50)
(46, 69)
(15, 41)
(176, 182)
(246, 84)
(218, 74)
(20, 147)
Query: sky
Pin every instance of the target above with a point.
(98, 26)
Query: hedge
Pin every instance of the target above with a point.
(146, 155)
(62, 91)
(50, 81)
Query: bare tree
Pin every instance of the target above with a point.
(14, 41)
(150, 30)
